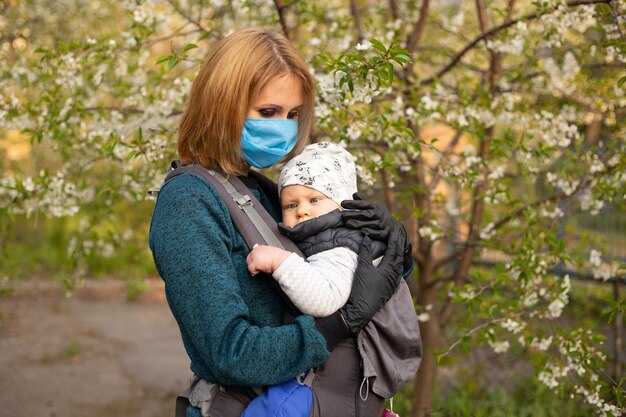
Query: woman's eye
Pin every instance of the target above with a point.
(267, 112)
(293, 115)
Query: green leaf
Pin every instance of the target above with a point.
(357, 57)
(189, 46)
(402, 59)
(378, 45)
(621, 81)
(111, 146)
(327, 58)
(389, 72)
(163, 59)
(172, 63)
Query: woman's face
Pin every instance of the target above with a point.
(282, 98)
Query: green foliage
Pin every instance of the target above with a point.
(525, 399)
(135, 288)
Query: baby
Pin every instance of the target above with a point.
(311, 187)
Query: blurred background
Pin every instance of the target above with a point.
(494, 130)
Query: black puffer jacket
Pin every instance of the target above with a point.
(327, 232)
(390, 345)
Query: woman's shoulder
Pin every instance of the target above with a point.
(189, 187)
(187, 195)
(186, 203)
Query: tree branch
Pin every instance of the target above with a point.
(126, 110)
(469, 333)
(390, 197)
(281, 10)
(177, 33)
(531, 16)
(186, 16)
(356, 17)
(393, 7)
(615, 15)
(437, 176)
(461, 269)
(123, 110)
(500, 223)
(416, 35)
(556, 197)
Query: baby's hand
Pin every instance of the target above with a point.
(264, 258)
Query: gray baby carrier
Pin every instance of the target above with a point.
(348, 384)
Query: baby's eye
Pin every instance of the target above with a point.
(315, 200)
(267, 112)
(291, 206)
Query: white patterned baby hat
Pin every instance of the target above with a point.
(325, 167)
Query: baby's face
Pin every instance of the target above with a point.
(300, 203)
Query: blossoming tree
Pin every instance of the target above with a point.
(482, 124)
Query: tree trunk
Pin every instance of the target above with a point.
(424, 384)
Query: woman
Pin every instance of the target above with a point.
(250, 105)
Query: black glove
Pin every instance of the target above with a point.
(373, 285)
(375, 221)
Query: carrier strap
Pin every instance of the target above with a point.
(254, 223)
(249, 216)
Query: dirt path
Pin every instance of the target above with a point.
(91, 355)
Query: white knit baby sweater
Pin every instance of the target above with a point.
(321, 284)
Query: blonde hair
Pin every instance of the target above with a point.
(230, 79)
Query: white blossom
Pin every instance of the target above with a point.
(423, 317)
(548, 379)
(363, 46)
(541, 344)
(530, 299)
(497, 172)
(28, 184)
(606, 271)
(589, 203)
(468, 293)
(354, 131)
(595, 257)
(487, 232)
(427, 232)
(428, 103)
(513, 326)
(556, 308)
(596, 166)
(500, 347)
(555, 213)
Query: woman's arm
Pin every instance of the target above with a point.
(229, 322)
(320, 285)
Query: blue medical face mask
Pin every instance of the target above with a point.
(267, 141)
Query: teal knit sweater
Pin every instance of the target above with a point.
(230, 322)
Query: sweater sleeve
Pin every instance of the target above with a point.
(320, 285)
(192, 240)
